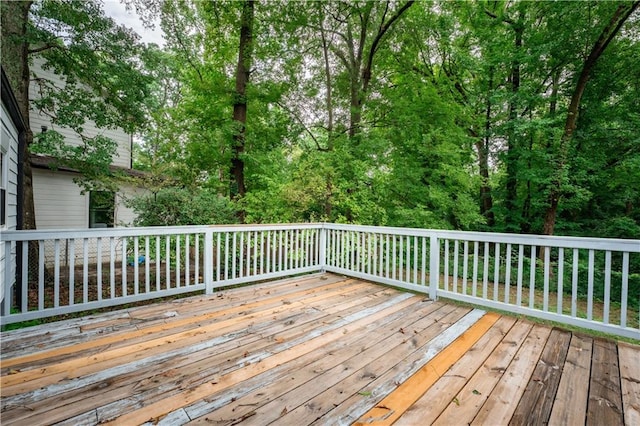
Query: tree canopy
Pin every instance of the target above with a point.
(504, 116)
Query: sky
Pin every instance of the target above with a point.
(119, 13)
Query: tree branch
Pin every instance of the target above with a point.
(304, 126)
(366, 71)
(47, 46)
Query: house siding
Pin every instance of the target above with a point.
(9, 143)
(10, 150)
(59, 202)
(38, 120)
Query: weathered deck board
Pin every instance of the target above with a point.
(466, 404)
(308, 376)
(573, 390)
(630, 382)
(605, 399)
(319, 349)
(436, 399)
(392, 407)
(537, 401)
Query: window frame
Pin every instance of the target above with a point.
(4, 177)
(94, 210)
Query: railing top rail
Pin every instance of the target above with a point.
(52, 234)
(491, 237)
(502, 238)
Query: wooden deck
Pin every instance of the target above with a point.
(320, 349)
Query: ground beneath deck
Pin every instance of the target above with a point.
(320, 349)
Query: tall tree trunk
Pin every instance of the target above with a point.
(621, 14)
(482, 146)
(512, 148)
(238, 189)
(15, 52)
(525, 223)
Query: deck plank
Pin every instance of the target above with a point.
(466, 403)
(347, 378)
(537, 401)
(573, 392)
(501, 403)
(438, 397)
(373, 389)
(605, 401)
(160, 408)
(34, 378)
(232, 345)
(73, 331)
(307, 376)
(346, 382)
(317, 349)
(155, 330)
(260, 347)
(630, 382)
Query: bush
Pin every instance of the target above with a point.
(179, 206)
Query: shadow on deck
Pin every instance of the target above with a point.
(320, 349)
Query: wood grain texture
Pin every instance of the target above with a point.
(629, 361)
(464, 406)
(605, 401)
(314, 350)
(387, 411)
(573, 392)
(537, 401)
(502, 402)
(436, 399)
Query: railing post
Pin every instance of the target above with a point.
(323, 248)
(5, 289)
(434, 266)
(208, 261)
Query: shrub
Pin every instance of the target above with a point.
(179, 206)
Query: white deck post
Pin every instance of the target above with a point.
(208, 261)
(323, 248)
(7, 280)
(434, 266)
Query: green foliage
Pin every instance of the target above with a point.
(103, 84)
(404, 148)
(173, 207)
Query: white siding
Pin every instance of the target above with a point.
(37, 120)
(124, 216)
(58, 201)
(9, 148)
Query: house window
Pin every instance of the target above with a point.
(3, 189)
(101, 208)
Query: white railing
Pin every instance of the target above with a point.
(58, 272)
(587, 282)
